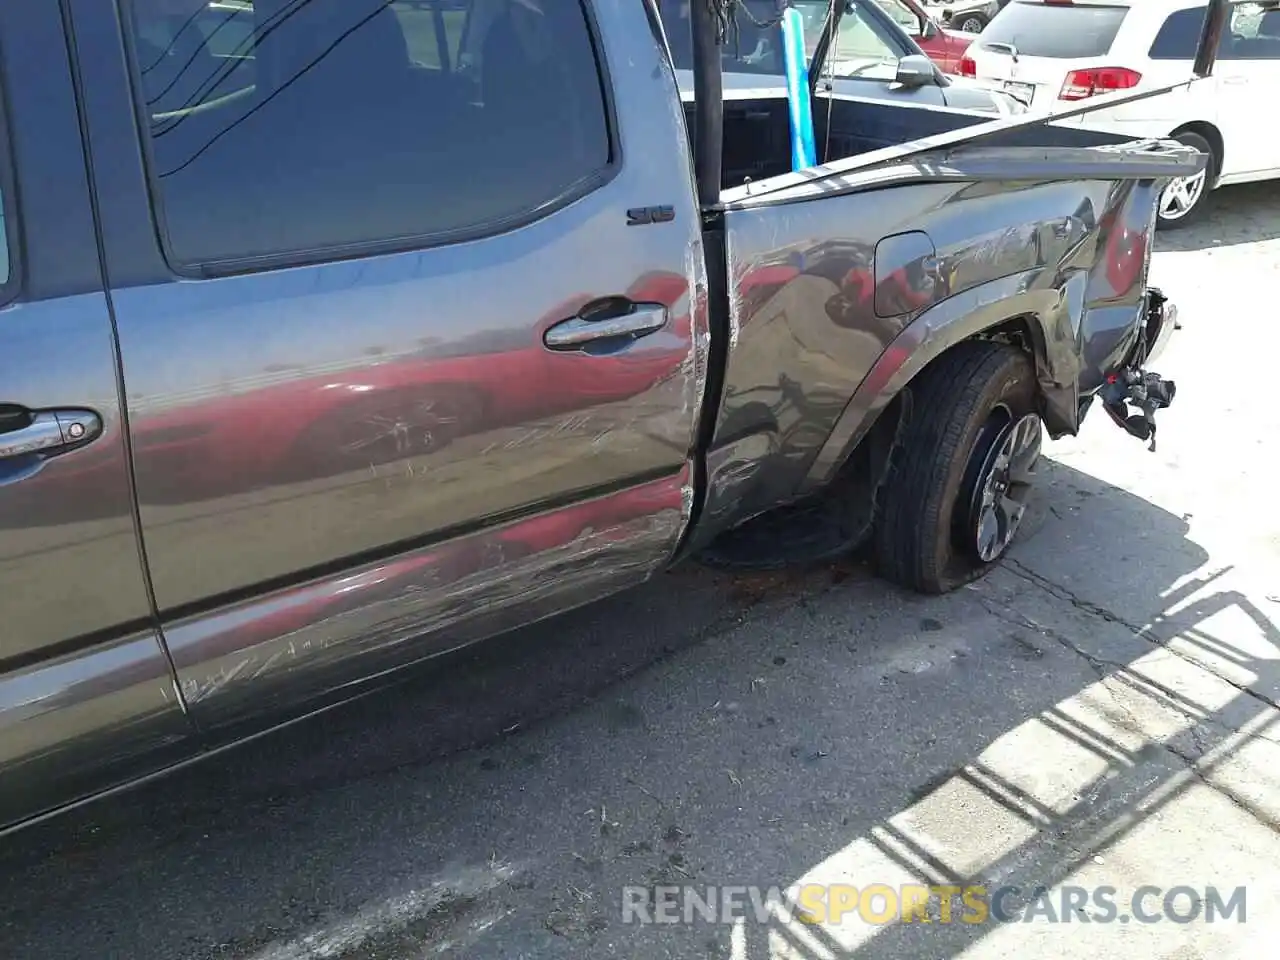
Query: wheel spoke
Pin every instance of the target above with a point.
(1026, 451)
(1012, 512)
(988, 534)
(1182, 194)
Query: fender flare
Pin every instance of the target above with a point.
(990, 305)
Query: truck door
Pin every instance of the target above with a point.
(86, 693)
(406, 331)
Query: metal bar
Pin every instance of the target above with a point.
(1215, 21)
(708, 102)
(830, 28)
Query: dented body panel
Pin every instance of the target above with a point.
(825, 332)
(315, 644)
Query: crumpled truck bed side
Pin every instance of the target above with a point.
(841, 289)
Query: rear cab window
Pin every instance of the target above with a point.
(755, 44)
(1060, 31)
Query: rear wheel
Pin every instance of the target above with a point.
(1185, 199)
(963, 471)
(969, 22)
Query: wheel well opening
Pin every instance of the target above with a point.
(860, 479)
(1016, 332)
(868, 464)
(1025, 334)
(1211, 134)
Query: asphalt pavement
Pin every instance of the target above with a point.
(1099, 714)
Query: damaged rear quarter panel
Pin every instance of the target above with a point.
(840, 290)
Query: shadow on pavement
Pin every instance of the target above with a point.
(1245, 213)
(701, 730)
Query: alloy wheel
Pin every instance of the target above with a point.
(1181, 195)
(999, 480)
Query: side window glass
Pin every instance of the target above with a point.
(225, 30)
(902, 16)
(1254, 33)
(287, 128)
(753, 44)
(1178, 35)
(433, 29)
(861, 47)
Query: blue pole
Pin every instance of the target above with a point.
(800, 107)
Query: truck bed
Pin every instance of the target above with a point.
(757, 137)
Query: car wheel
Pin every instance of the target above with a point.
(969, 22)
(1186, 199)
(963, 469)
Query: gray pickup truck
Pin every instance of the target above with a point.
(376, 328)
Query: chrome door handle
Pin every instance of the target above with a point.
(640, 320)
(47, 432)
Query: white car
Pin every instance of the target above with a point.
(1056, 53)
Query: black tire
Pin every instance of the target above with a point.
(927, 502)
(1201, 205)
(969, 22)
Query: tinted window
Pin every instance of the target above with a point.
(1254, 34)
(1179, 35)
(227, 29)
(288, 126)
(754, 43)
(1055, 30)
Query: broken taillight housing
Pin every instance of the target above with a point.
(1082, 84)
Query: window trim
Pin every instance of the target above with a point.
(11, 288)
(418, 242)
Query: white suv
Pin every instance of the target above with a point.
(1056, 53)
